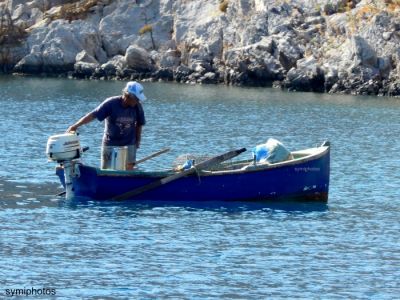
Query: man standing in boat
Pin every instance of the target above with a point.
(124, 117)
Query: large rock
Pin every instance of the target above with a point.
(170, 59)
(114, 66)
(289, 51)
(363, 53)
(83, 56)
(308, 76)
(182, 73)
(121, 25)
(84, 69)
(138, 59)
(337, 46)
(85, 65)
(259, 67)
(31, 63)
(54, 49)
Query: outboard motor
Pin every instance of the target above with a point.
(64, 149)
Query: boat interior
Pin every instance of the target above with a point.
(249, 165)
(231, 166)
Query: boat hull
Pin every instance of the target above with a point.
(306, 179)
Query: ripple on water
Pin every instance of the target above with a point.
(347, 249)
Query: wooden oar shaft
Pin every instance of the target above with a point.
(61, 194)
(152, 156)
(203, 165)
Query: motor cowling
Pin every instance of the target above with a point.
(63, 147)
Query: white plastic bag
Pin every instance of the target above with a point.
(271, 152)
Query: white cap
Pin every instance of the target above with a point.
(135, 88)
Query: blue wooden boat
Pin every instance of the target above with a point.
(303, 177)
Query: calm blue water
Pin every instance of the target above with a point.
(347, 249)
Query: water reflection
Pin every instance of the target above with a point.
(31, 195)
(28, 195)
(216, 206)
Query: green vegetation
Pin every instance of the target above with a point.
(148, 29)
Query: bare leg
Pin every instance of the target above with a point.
(130, 166)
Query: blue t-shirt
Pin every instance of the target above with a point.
(121, 122)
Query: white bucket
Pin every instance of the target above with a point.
(119, 157)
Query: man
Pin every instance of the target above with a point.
(124, 117)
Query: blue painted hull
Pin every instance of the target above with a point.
(304, 179)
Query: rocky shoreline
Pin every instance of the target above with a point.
(350, 47)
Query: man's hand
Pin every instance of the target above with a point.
(72, 128)
(84, 120)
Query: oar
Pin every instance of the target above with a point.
(203, 165)
(152, 156)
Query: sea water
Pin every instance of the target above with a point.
(345, 249)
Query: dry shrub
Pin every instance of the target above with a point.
(223, 6)
(146, 28)
(74, 10)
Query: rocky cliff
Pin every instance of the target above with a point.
(317, 45)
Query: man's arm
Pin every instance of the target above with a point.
(138, 135)
(82, 121)
(139, 124)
